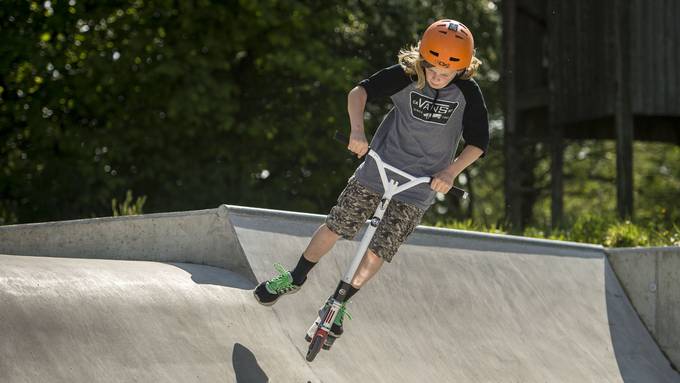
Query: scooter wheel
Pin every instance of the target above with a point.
(314, 347)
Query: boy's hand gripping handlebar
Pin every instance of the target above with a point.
(458, 192)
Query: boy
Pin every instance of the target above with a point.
(436, 102)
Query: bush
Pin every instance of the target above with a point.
(128, 207)
(470, 225)
(660, 236)
(626, 234)
(595, 229)
(556, 235)
(590, 228)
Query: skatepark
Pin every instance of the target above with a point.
(167, 297)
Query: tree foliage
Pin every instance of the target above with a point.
(195, 103)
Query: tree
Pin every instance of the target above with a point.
(192, 103)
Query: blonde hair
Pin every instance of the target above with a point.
(412, 62)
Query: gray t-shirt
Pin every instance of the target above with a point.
(421, 133)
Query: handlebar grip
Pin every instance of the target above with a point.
(458, 192)
(342, 137)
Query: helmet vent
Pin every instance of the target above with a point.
(443, 32)
(435, 53)
(454, 59)
(460, 37)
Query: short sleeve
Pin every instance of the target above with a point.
(475, 117)
(385, 82)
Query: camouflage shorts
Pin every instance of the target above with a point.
(357, 203)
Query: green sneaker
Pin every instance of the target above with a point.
(268, 292)
(342, 313)
(336, 329)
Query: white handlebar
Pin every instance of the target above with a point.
(413, 180)
(460, 193)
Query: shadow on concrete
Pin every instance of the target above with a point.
(209, 275)
(246, 368)
(637, 354)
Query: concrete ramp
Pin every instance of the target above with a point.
(464, 307)
(78, 320)
(452, 307)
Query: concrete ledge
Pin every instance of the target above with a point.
(426, 235)
(650, 278)
(204, 237)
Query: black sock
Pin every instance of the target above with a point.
(352, 290)
(347, 291)
(301, 270)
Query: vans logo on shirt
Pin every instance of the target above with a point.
(425, 109)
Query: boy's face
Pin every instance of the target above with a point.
(438, 78)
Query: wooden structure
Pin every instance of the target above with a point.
(582, 69)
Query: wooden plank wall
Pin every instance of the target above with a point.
(583, 58)
(655, 76)
(531, 28)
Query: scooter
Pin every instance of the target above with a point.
(320, 330)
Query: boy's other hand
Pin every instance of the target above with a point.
(358, 144)
(442, 182)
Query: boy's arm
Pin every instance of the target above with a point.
(442, 182)
(356, 103)
(381, 84)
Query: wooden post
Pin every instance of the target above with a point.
(623, 113)
(555, 31)
(556, 171)
(513, 208)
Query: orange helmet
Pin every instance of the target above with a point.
(447, 44)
